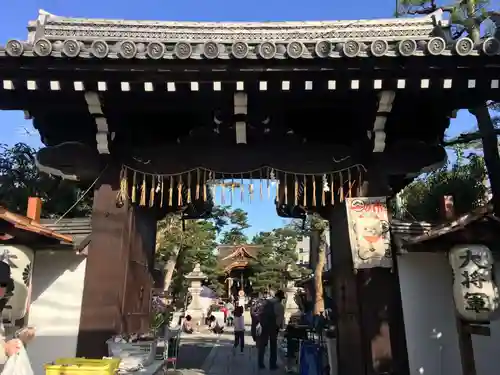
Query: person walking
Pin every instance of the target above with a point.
(239, 329)
(269, 321)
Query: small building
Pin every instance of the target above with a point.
(437, 341)
(236, 260)
(303, 251)
(48, 274)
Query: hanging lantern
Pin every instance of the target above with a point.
(20, 259)
(474, 289)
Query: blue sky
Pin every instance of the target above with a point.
(16, 14)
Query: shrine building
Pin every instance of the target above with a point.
(236, 262)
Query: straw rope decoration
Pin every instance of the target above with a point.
(180, 189)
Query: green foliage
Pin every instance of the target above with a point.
(313, 222)
(466, 16)
(238, 220)
(19, 180)
(464, 180)
(277, 254)
(194, 242)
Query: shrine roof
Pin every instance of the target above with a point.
(56, 36)
(228, 252)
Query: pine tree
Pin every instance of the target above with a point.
(279, 251)
(315, 225)
(238, 220)
(265, 269)
(182, 246)
(20, 179)
(463, 179)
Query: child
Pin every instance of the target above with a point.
(230, 319)
(187, 325)
(215, 326)
(239, 328)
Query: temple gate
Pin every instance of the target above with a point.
(337, 115)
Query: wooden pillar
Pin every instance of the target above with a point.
(489, 139)
(118, 281)
(371, 333)
(350, 352)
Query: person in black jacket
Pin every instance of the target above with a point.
(269, 321)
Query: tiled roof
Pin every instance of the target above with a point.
(57, 36)
(27, 224)
(72, 226)
(78, 228)
(459, 223)
(410, 228)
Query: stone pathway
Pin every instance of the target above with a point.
(217, 355)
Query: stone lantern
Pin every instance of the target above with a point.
(195, 308)
(291, 306)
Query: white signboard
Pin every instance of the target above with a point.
(369, 232)
(474, 289)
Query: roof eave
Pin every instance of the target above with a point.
(25, 223)
(454, 225)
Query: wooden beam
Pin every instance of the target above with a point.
(380, 298)
(490, 150)
(350, 349)
(371, 334)
(466, 347)
(117, 287)
(478, 329)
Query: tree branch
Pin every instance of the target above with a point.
(465, 138)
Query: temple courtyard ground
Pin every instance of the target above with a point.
(208, 354)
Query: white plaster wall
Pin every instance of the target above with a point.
(56, 305)
(486, 349)
(428, 305)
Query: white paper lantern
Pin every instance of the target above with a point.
(474, 289)
(20, 259)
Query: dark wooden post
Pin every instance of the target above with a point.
(117, 287)
(490, 148)
(371, 332)
(350, 353)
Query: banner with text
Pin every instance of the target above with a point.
(369, 232)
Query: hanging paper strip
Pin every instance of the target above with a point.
(180, 189)
(369, 232)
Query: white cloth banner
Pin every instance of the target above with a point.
(369, 232)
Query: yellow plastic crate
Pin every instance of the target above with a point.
(80, 366)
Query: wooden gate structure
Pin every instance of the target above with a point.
(154, 111)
